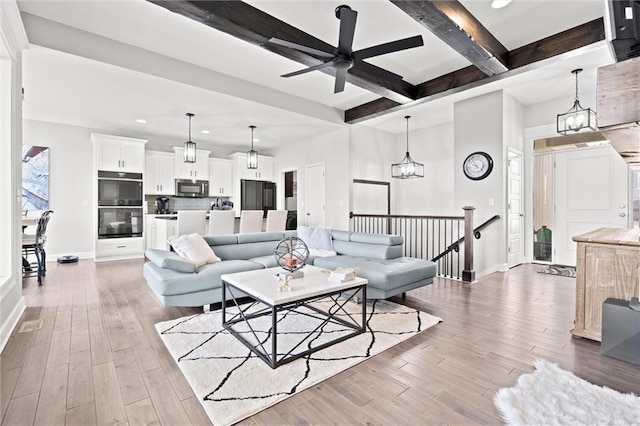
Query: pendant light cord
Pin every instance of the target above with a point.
(407, 117)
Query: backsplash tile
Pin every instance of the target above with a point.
(180, 203)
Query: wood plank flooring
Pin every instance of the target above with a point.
(98, 360)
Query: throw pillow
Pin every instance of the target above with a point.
(316, 237)
(194, 248)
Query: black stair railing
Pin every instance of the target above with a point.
(436, 238)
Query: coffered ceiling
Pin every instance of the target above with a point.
(104, 64)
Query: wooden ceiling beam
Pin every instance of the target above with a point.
(452, 23)
(252, 25)
(566, 41)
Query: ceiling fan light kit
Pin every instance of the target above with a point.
(189, 145)
(343, 58)
(577, 118)
(252, 155)
(408, 167)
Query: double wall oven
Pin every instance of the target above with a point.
(120, 199)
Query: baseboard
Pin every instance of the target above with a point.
(10, 324)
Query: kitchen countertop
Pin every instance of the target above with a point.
(172, 216)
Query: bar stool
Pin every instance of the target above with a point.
(222, 222)
(251, 221)
(191, 221)
(34, 245)
(276, 220)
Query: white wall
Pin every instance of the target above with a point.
(71, 186)
(432, 195)
(547, 112)
(478, 126)
(333, 150)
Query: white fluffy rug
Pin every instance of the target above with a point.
(232, 383)
(553, 396)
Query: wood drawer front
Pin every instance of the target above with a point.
(120, 246)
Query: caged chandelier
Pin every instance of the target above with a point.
(407, 168)
(190, 146)
(252, 156)
(577, 118)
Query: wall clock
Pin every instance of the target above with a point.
(477, 165)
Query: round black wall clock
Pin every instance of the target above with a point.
(477, 165)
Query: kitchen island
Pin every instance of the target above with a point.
(608, 265)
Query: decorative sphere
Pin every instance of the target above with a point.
(291, 253)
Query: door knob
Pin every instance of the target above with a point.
(622, 214)
(622, 206)
(308, 214)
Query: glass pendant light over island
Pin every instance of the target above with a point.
(189, 145)
(252, 156)
(577, 118)
(407, 168)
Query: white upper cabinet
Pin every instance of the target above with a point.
(117, 153)
(198, 170)
(220, 177)
(158, 173)
(240, 170)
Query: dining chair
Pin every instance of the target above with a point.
(33, 244)
(191, 222)
(276, 220)
(222, 222)
(251, 221)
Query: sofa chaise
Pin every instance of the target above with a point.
(378, 258)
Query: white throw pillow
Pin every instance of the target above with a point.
(194, 248)
(316, 237)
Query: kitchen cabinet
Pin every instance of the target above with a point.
(198, 170)
(240, 170)
(157, 232)
(608, 265)
(118, 153)
(220, 177)
(119, 248)
(158, 173)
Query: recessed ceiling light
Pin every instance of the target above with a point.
(256, 140)
(141, 120)
(497, 4)
(205, 132)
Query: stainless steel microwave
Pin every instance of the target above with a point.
(192, 188)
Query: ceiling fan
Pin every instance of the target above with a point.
(343, 58)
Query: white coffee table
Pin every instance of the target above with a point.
(263, 288)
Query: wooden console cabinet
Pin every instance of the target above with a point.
(608, 265)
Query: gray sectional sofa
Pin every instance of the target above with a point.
(378, 258)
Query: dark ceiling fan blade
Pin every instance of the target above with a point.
(392, 46)
(306, 70)
(301, 47)
(376, 71)
(341, 78)
(347, 29)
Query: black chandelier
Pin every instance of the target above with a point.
(190, 146)
(407, 168)
(577, 118)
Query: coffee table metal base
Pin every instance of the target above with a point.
(270, 355)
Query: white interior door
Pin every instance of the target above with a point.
(591, 191)
(515, 250)
(315, 195)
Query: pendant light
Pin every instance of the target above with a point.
(407, 168)
(577, 118)
(189, 146)
(252, 156)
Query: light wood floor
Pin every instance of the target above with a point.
(98, 360)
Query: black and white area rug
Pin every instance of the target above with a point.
(562, 270)
(232, 383)
(553, 396)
